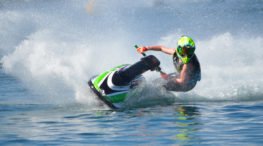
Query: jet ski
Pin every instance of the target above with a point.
(112, 86)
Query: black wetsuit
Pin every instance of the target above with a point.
(194, 73)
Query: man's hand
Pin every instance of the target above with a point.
(142, 49)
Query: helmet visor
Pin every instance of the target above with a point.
(185, 53)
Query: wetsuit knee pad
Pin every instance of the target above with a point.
(151, 62)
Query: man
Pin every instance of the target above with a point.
(185, 62)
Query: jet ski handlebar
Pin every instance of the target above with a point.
(158, 68)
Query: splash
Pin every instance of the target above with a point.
(231, 67)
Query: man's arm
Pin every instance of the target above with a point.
(169, 51)
(184, 76)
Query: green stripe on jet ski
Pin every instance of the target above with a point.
(102, 76)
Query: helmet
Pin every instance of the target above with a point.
(185, 49)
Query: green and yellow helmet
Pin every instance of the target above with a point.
(185, 49)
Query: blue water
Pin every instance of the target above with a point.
(49, 49)
(182, 123)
